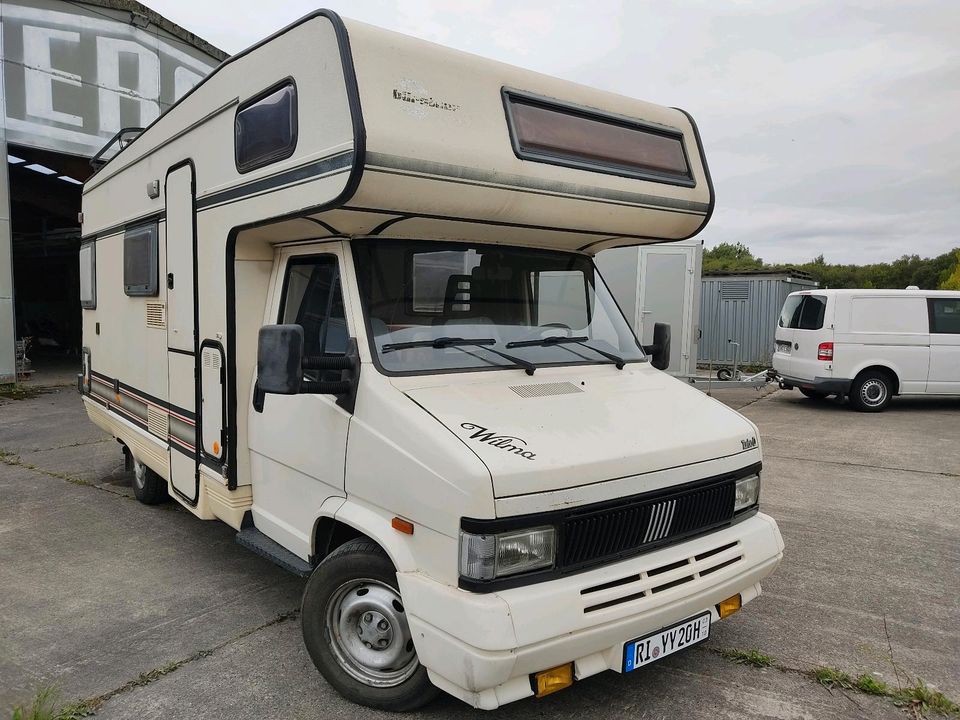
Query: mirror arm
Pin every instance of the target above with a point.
(329, 362)
(333, 387)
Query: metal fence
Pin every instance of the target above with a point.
(744, 309)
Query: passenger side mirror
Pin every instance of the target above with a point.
(280, 366)
(659, 351)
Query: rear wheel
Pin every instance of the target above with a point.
(148, 487)
(724, 374)
(355, 629)
(814, 394)
(871, 391)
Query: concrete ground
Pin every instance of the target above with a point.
(167, 617)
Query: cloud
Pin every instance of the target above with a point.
(828, 125)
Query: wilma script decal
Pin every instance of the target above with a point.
(507, 443)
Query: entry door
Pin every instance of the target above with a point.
(298, 443)
(663, 298)
(944, 346)
(181, 331)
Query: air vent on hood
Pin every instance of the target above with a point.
(545, 389)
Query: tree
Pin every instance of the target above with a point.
(730, 256)
(952, 279)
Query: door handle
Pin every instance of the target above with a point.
(169, 281)
(796, 346)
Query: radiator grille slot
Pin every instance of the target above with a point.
(641, 524)
(545, 389)
(158, 421)
(156, 315)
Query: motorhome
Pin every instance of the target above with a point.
(869, 345)
(341, 297)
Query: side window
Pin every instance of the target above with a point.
(945, 315)
(312, 298)
(265, 129)
(140, 260)
(560, 297)
(790, 307)
(88, 275)
(812, 312)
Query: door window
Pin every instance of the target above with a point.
(945, 316)
(803, 312)
(312, 299)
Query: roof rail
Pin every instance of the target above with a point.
(121, 139)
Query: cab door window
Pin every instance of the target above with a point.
(313, 299)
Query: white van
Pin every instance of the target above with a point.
(869, 345)
(342, 297)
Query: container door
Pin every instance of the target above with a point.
(298, 443)
(944, 346)
(664, 295)
(181, 331)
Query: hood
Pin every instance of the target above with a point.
(563, 428)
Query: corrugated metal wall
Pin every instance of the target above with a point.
(743, 308)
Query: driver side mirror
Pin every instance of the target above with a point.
(659, 351)
(281, 363)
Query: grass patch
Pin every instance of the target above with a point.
(749, 657)
(921, 698)
(15, 391)
(871, 686)
(832, 678)
(46, 705)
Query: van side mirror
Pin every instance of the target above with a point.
(659, 351)
(281, 363)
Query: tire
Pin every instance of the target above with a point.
(352, 592)
(148, 487)
(871, 391)
(724, 374)
(814, 394)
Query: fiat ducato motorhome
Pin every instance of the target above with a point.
(869, 345)
(341, 296)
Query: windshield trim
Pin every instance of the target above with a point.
(375, 355)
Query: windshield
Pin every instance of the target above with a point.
(428, 302)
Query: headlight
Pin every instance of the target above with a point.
(748, 493)
(485, 557)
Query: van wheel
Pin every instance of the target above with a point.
(871, 391)
(355, 629)
(148, 487)
(814, 394)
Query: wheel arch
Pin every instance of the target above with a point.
(350, 520)
(884, 368)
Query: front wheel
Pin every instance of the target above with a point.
(356, 631)
(871, 391)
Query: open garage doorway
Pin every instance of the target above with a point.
(45, 189)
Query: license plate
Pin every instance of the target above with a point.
(658, 645)
(784, 347)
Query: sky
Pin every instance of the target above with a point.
(831, 127)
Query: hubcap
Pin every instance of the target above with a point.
(368, 633)
(139, 473)
(873, 392)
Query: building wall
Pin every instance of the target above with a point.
(745, 309)
(73, 75)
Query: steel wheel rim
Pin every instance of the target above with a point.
(366, 627)
(139, 473)
(873, 393)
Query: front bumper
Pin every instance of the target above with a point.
(826, 385)
(483, 648)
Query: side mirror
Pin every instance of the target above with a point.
(280, 359)
(280, 366)
(660, 350)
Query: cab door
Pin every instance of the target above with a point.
(944, 377)
(298, 442)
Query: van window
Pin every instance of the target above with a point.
(140, 261)
(431, 274)
(88, 276)
(945, 315)
(803, 312)
(265, 129)
(560, 298)
(312, 299)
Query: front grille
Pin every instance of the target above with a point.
(644, 522)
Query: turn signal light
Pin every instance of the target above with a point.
(728, 607)
(825, 351)
(401, 525)
(549, 681)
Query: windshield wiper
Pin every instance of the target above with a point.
(458, 342)
(576, 340)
